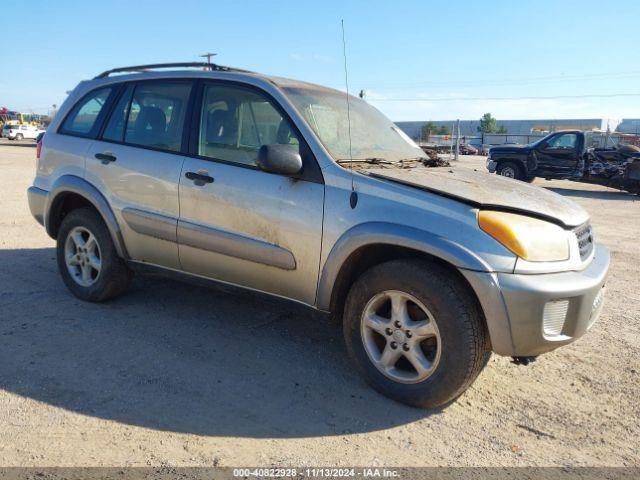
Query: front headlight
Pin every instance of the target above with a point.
(529, 238)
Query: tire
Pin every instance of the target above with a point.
(530, 179)
(510, 170)
(461, 336)
(19, 137)
(111, 279)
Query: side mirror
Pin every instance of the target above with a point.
(280, 159)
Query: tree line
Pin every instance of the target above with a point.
(488, 124)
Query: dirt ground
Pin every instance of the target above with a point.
(176, 374)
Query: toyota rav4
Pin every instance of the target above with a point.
(308, 194)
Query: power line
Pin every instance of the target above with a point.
(512, 81)
(551, 97)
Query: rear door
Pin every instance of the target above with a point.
(559, 155)
(64, 151)
(239, 224)
(136, 164)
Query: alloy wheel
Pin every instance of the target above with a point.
(82, 256)
(400, 336)
(508, 172)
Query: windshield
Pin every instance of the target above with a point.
(373, 136)
(539, 141)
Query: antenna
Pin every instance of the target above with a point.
(208, 56)
(354, 197)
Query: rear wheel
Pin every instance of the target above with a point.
(87, 258)
(415, 332)
(19, 137)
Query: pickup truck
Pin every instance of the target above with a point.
(569, 155)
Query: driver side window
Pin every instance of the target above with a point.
(235, 122)
(565, 141)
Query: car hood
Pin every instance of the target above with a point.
(488, 191)
(510, 149)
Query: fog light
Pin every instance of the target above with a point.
(597, 302)
(596, 307)
(555, 313)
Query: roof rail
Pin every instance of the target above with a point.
(142, 68)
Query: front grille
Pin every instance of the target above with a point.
(585, 240)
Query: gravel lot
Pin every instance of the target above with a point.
(177, 374)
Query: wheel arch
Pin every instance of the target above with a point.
(520, 162)
(370, 244)
(70, 192)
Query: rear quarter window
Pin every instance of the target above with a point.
(82, 119)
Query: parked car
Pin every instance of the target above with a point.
(569, 155)
(252, 180)
(20, 132)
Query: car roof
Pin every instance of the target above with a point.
(206, 70)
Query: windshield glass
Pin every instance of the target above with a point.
(372, 134)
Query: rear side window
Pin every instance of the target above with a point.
(155, 115)
(82, 118)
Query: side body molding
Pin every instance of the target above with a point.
(152, 224)
(235, 245)
(70, 184)
(391, 234)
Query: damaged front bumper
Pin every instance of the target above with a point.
(530, 314)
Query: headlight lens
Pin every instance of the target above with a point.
(529, 238)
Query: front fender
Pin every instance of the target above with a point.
(522, 161)
(381, 233)
(71, 184)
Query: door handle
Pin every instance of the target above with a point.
(199, 178)
(105, 157)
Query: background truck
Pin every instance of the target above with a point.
(588, 157)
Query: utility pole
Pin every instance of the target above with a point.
(208, 56)
(457, 139)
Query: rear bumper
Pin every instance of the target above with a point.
(528, 315)
(37, 199)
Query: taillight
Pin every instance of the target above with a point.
(38, 150)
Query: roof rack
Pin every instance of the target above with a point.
(143, 68)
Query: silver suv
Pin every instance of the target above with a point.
(301, 192)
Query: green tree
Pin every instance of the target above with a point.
(427, 130)
(443, 130)
(487, 124)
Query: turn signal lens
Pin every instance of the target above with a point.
(529, 238)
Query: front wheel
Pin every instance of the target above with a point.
(19, 137)
(510, 170)
(415, 332)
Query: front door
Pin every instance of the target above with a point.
(558, 156)
(136, 164)
(239, 224)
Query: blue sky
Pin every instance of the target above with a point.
(396, 50)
